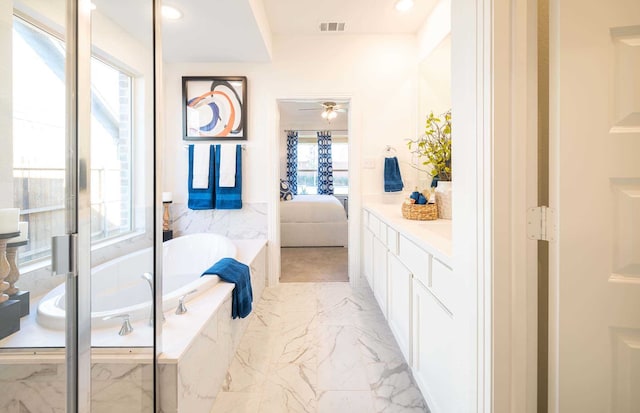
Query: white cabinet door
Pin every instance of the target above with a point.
(400, 304)
(367, 255)
(433, 340)
(594, 281)
(380, 274)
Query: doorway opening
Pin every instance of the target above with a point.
(314, 190)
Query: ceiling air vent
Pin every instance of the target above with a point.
(332, 27)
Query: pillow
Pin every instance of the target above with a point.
(285, 191)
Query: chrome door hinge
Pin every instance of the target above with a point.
(541, 223)
(63, 254)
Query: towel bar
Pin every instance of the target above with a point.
(243, 146)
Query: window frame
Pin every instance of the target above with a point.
(312, 140)
(132, 230)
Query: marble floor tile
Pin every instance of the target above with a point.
(340, 365)
(296, 342)
(290, 388)
(345, 401)
(237, 402)
(319, 347)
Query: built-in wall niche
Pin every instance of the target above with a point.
(626, 116)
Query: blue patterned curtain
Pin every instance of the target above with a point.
(325, 164)
(292, 161)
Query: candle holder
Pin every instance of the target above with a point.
(167, 232)
(14, 275)
(5, 268)
(9, 309)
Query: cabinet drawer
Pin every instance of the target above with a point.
(415, 258)
(442, 283)
(392, 240)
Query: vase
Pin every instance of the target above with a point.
(443, 199)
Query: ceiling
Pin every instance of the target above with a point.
(292, 117)
(359, 16)
(241, 30)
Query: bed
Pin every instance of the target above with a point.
(313, 221)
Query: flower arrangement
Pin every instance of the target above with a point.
(435, 145)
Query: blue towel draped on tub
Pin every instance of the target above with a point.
(230, 270)
(200, 198)
(392, 178)
(228, 197)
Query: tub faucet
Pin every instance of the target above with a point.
(181, 309)
(149, 278)
(126, 325)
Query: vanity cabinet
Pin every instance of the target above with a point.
(433, 358)
(399, 311)
(380, 274)
(414, 286)
(374, 239)
(367, 255)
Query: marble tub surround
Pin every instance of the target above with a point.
(35, 388)
(318, 347)
(197, 349)
(193, 364)
(250, 222)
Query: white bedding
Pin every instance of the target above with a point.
(312, 208)
(313, 221)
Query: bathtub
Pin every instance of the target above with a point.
(118, 286)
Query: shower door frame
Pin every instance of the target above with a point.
(78, 205)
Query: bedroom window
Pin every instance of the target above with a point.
(308, 165)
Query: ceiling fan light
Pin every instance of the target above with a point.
(404, 5)
(325, 114)
(332, 115)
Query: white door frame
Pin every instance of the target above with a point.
(355, 200)
(494, 63)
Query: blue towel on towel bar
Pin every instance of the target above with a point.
(392, 178)
(200, 198)
(229, 198)
(230, 270)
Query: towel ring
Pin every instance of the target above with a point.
(390, 151)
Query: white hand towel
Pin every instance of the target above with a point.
(227, 166)
(201, 165)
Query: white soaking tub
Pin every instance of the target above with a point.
(118, 286)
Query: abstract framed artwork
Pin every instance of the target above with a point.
(214, 108)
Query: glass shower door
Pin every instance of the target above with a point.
(122, 226)
(33, 179)
(77, 161)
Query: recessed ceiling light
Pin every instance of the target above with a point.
(404, 5)
(171, 13)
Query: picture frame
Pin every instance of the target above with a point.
(214, 108)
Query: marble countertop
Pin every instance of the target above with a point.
(432, 236)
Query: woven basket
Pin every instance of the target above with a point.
(424, 212)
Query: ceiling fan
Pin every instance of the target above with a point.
(329, 110)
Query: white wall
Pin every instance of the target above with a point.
(378, 72)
